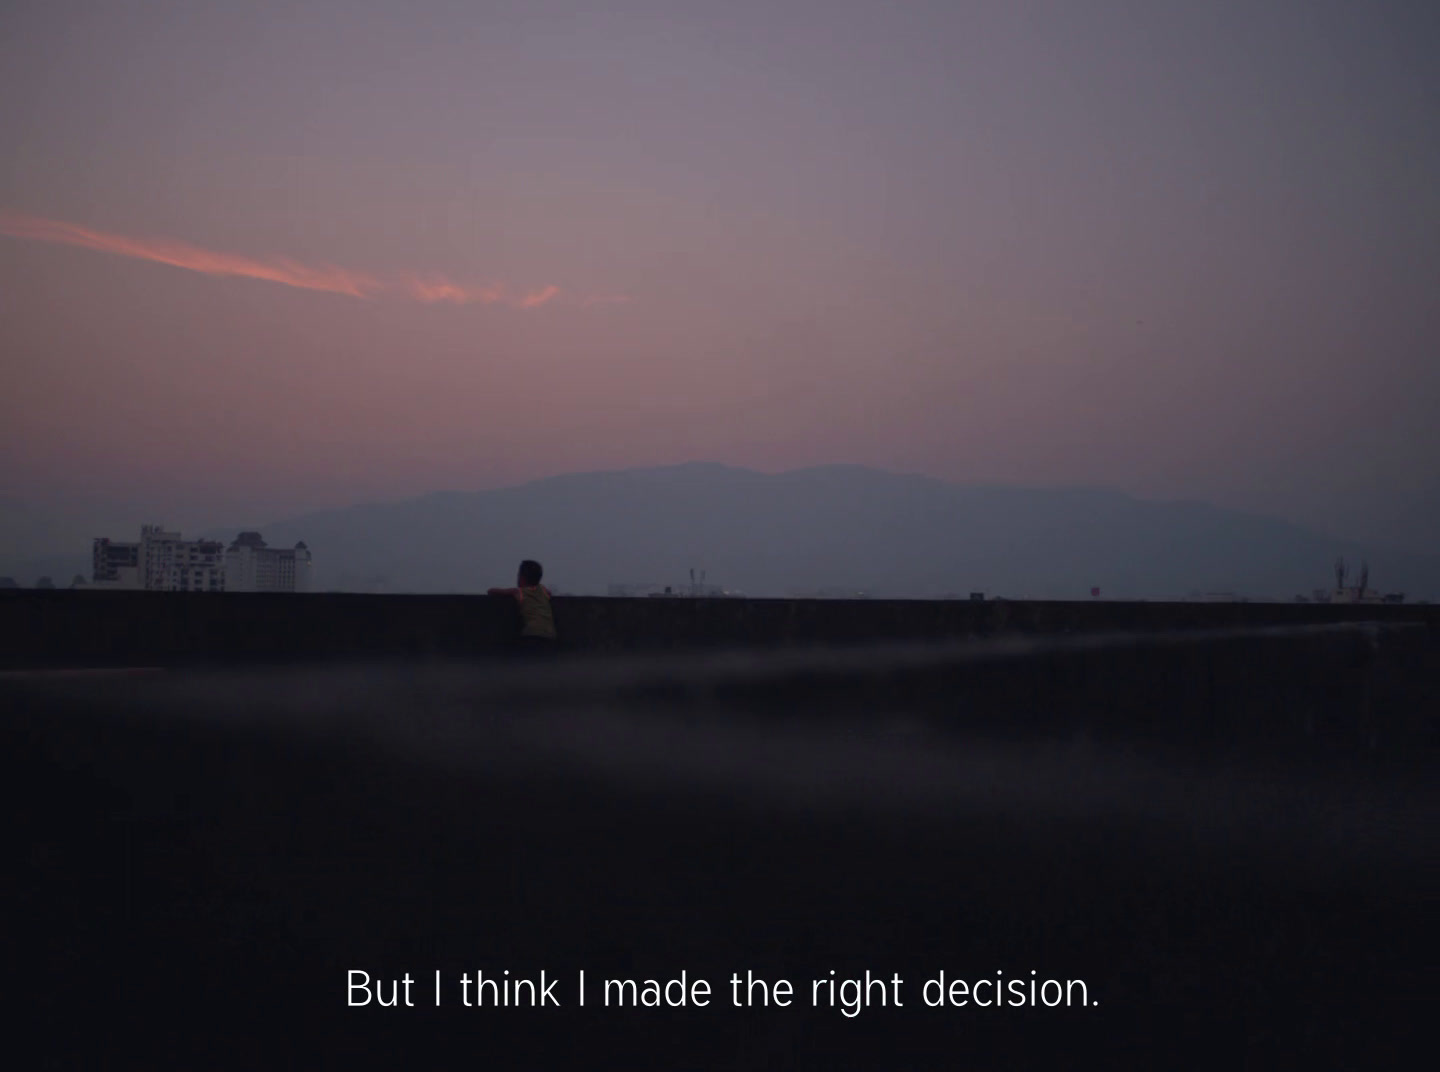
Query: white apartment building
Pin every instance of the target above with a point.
(162, 561)
(253, 566)
(173, 564)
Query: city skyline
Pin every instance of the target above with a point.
(816, 532)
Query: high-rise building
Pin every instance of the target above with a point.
(165, 562)
(116, 564)
(253, 566)
(172, 564)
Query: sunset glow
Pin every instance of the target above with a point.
(1160, 248)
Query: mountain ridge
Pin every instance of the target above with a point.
(841, 526)
(823, 528)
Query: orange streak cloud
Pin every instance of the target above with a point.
(180, 255)
(438, 289)
(429, 289)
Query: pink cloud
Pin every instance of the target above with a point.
(537, 298)
(428, 289)
(438, 289)
(181, 255)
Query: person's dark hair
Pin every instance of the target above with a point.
(530, 572)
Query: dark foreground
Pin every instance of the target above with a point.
(1230, 844)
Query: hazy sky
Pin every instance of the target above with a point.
(257, 258)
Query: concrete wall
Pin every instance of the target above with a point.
(119, 628)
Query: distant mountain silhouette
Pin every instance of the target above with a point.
(834, 527)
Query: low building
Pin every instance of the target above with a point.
(633, 590)
(693, 590)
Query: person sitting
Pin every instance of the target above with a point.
(537, 617)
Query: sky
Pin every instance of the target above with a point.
(258, 259)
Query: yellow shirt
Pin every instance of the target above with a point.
(536, 617)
